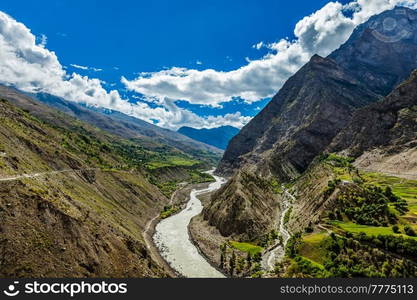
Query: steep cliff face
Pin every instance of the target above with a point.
(311, 108)
(384, 131)
(383, 51)
(245, 206)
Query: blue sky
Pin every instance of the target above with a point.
(123, 38)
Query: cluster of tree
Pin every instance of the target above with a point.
(237, 265)
(249, 179)
(331, 187)
(368, 205)
(169, 210)
(408, 230)
(337, 160)
(270, 239)
(287, 216)
(395, 244)
(357, 256)
(349, 257)
(301, 267)
(291, 250)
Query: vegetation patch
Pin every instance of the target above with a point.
(169, 210)
(287, 216)
(368, 205)
(403, 188)
(247, 247)
(353, 255)
(313, 247)
(171, 161)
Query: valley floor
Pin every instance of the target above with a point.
(311, 248)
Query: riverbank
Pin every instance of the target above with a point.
(207, 239)
(172, 239)
(179, 197)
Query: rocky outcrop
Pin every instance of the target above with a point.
(382, 52)
(245, 206)
(304, 117)
(388, 127)
(116, 123)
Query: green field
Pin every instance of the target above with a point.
(404, 188)
(368, 230)
(313, 247)
(247, 247)
(172, 161)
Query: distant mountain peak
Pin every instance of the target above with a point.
(382, 52)
(218, 137)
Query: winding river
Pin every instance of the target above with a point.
(173, 241)
(277, 252)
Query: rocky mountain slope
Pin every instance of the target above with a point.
(299, 122)
(217, 137)
(132, 128)
(382, 52)
(74, 200)
(319, 101)
(383, 136)
(246, 206)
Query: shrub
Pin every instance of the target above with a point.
(409, 230)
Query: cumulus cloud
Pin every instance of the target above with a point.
(26, 64)
(320, 33)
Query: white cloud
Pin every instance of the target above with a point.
(96, 69)
(320, 33)
(259, 45)
(86, 68)
(44, 40)
(198, 62)
(79, 67)
(30, 67)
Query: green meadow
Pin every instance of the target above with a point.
(313, 247)
(247, 247)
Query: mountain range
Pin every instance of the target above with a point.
(321, 183)
(334, 132)
(217, 137)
